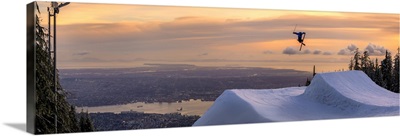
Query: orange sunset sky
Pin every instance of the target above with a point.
(108, 36)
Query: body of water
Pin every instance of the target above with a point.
(191, 107)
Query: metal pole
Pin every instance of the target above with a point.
(54, 75)
(55, 68)
(55, 7)
(49, 49)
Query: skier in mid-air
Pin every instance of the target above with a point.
(300, 37)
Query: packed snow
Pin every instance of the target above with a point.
(333, 95)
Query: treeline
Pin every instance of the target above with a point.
(53, 113)
(384, 73)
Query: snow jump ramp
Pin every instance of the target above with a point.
(333, 95)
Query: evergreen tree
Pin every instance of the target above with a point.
(386, 66)
(357, 60)
(396, 73)
(378, 74)
(365, 61)
(365, 64)
(72, 115)
(351, 65)
(371, 70)
(44, 118)
(53, 113)
(85, 122)
(89, 123)
(82, 121)
(308, 82)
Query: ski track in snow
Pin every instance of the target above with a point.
(333, 95)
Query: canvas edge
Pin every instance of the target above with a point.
(30, 67)
(31, 56)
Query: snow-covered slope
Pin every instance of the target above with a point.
(329, 96)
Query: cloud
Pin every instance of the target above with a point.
(372, 49)
(344, 52)
(268, 52)
(83, 53)
(327, 53)
(316, 52)
(352, 47)
(349, 50)
(203, 54)
(307, 51)
(375, 50)
(290, 51)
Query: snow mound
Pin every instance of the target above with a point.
(349, 91)
(330, 96)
